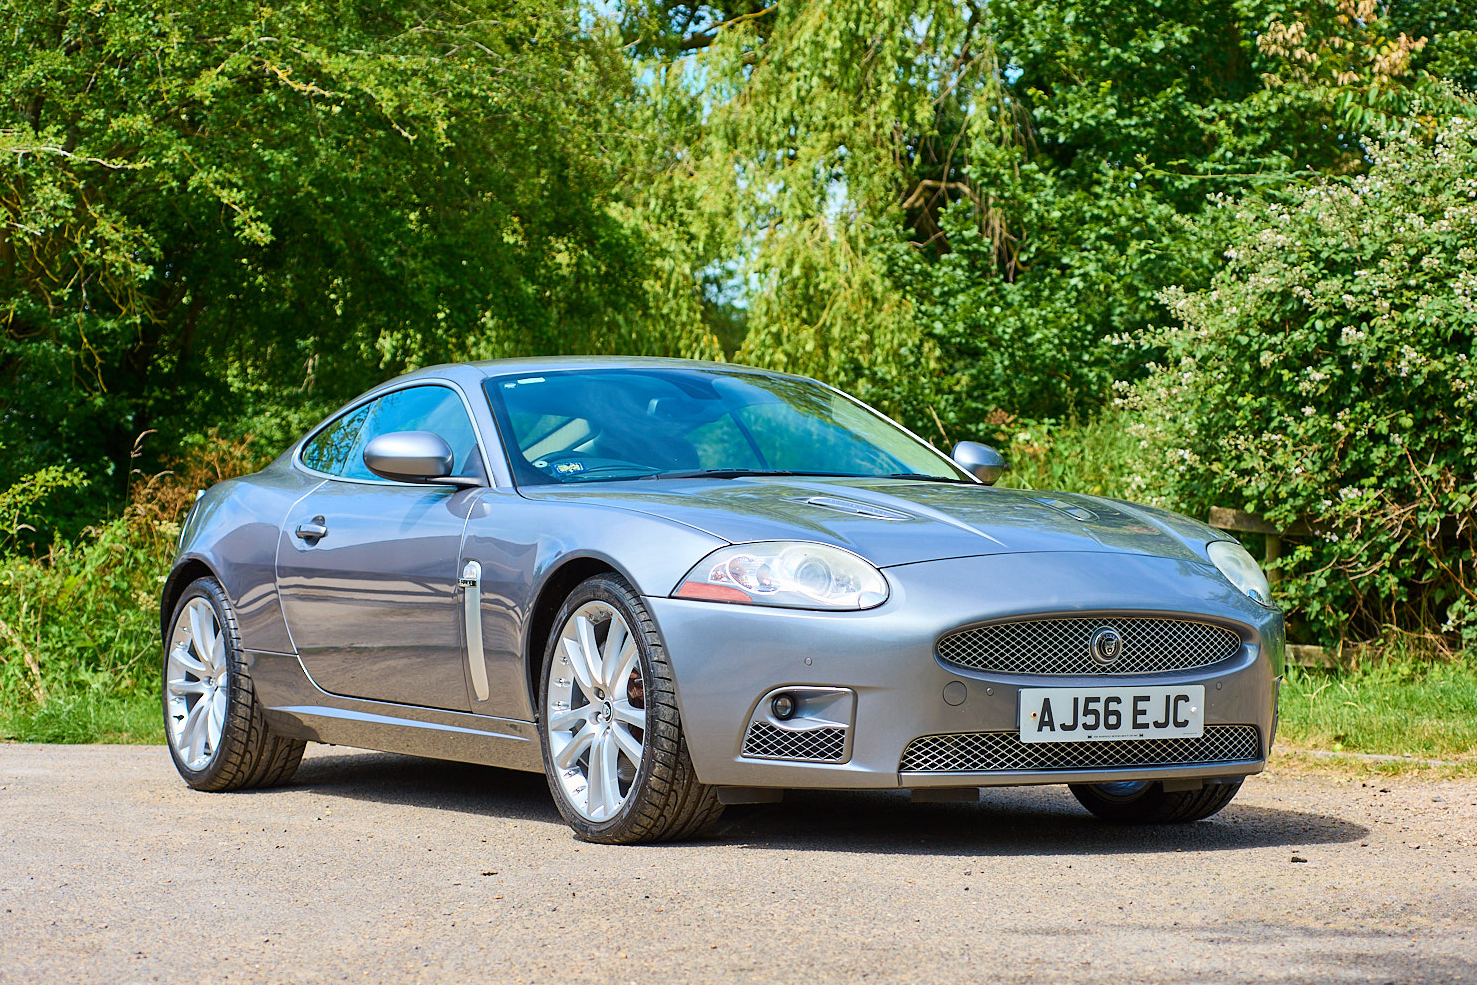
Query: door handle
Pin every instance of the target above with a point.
(313, 529)
(471, 585)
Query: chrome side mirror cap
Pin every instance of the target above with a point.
(413, 456)
(981, 461)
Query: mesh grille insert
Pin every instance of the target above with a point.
(985, 752)
(825, 745)
(1061, 646)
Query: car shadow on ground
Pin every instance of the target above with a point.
(1006, 821)
(1044, 820)
(434, 784)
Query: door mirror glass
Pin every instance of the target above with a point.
(409, 456)
(981, 461)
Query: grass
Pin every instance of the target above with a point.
(87, 716)
(1398, 708)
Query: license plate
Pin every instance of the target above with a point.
(1077, 714)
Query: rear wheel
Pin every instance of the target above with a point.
(217, 734)
(1147, 802)
(614, 752)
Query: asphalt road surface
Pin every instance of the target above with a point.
(381, 868)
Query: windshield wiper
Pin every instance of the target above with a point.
(744, 473)
(926, 477)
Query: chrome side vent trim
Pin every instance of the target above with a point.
(471, 585)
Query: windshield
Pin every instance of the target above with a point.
(606, 424)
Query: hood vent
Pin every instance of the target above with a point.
(856, 509)
(1071, 509)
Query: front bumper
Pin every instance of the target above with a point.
(727, 659)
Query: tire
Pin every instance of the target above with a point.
(595, 713)
(218, 736)
(1145, 802)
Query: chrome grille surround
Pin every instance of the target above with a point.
(816, 745)
(1061, 646)
(988, 752)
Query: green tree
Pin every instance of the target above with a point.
(956, 208)
(206, 207)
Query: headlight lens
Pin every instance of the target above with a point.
(1241, 569)
(788, 574)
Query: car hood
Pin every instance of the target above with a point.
(899, 521)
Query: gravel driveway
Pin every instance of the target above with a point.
(372, 867)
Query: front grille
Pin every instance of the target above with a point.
(1061, 646)
(987, 752)
(824, 745)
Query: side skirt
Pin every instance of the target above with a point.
(298, 708)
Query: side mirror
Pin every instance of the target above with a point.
(413, 456)
(981, 461)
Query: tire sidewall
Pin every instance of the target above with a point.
(209, 590)
(613, 592)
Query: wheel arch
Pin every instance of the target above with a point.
(551, 595)
(185, 571)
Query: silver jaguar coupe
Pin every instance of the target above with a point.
(673, 585)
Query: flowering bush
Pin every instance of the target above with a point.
(1327, 377)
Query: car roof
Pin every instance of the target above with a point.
(552, 364)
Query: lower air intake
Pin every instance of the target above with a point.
(988, 752)
(816, 745)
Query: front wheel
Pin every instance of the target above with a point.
(1147, 802)
(614, 753)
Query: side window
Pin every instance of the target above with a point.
(329, 449)
(437, 409)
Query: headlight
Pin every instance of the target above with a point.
(789, 574)
(1240, 569)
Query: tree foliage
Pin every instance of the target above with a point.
(207, 204)
(1327, 377)
(955, 207)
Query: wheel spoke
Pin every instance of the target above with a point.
(217, 654)
(589, 649)
(201, 633)
(578, 743)
(613, 657)
(627, 743)
(579, 665)
(603, 765)
(191, 740)
(564, 720)
(628, 713)
(630, 660)
(188, 662)
(181, 686)
(217, 717)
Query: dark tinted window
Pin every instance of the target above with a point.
(437, 409)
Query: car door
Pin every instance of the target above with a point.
(367, 568)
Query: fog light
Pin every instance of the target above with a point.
(783, 707)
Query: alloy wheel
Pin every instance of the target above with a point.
(197, 684)
(596, 711)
